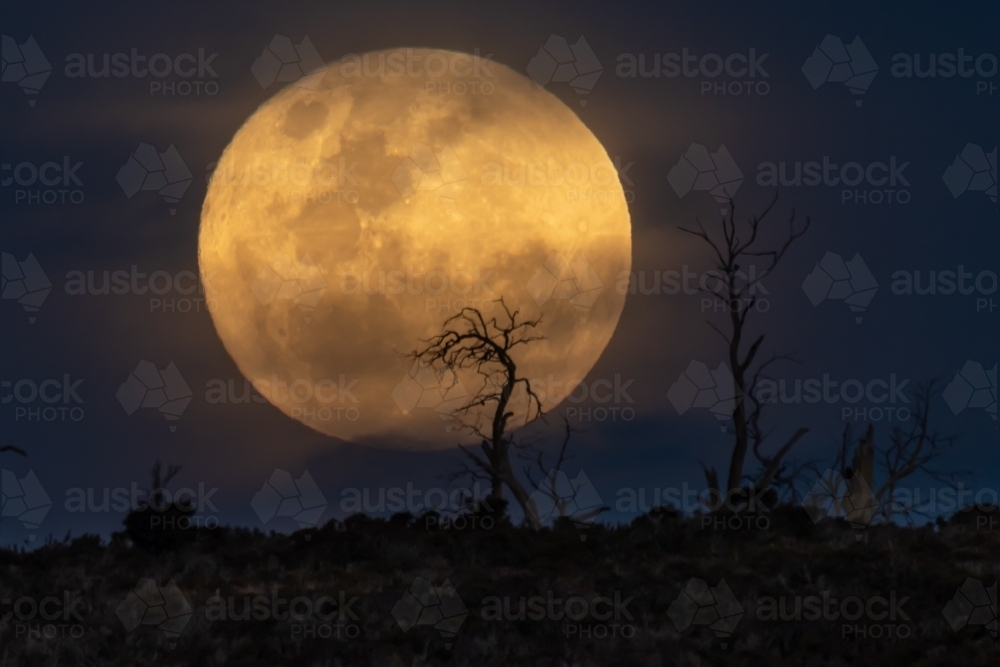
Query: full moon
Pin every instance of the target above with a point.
(366, 203)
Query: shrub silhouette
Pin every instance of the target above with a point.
(162, 523)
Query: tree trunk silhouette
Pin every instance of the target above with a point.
(740, 285)
(470, 341)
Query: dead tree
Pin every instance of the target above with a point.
(470, 341)
(914, 448)
(738, 246)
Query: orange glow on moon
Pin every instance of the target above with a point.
(358, 208)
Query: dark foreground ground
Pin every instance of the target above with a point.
(662, 591)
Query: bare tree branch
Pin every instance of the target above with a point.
(739, 291)
(913, 449)
(472, 342)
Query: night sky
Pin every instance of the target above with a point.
(924, 214)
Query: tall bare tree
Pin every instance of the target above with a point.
(472, 341)
(735, 247)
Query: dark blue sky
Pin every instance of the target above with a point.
(911, 224)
